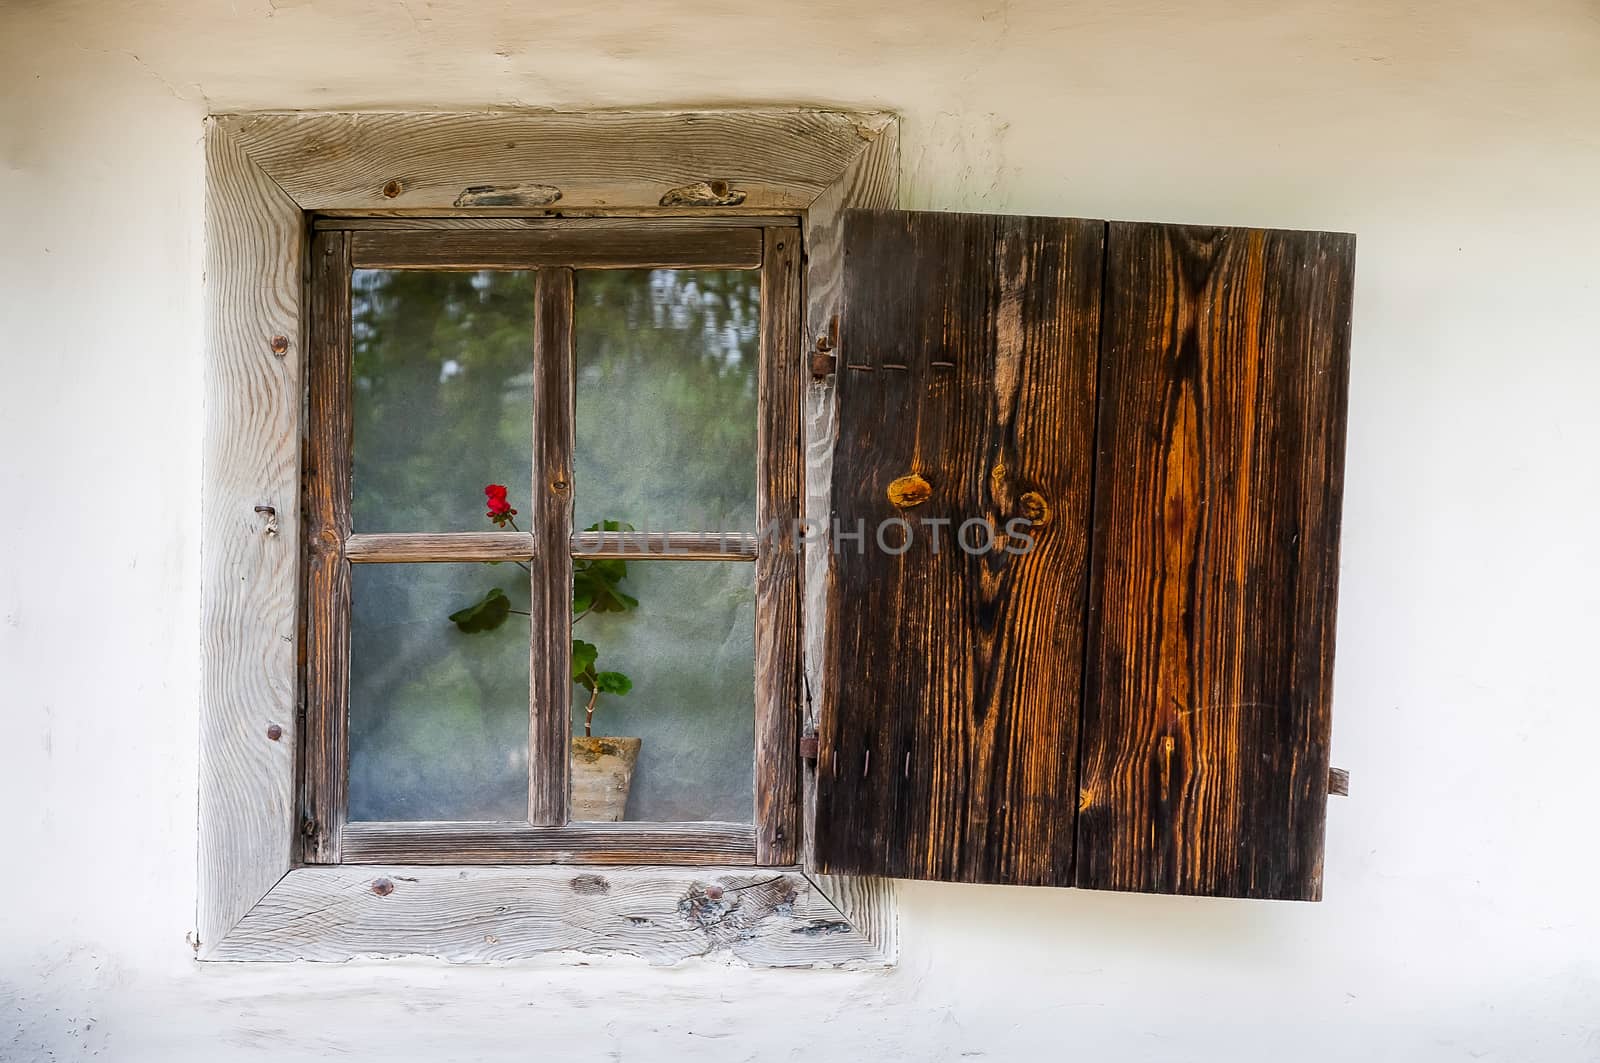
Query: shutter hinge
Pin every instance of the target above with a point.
(823, 360)
(808, 749)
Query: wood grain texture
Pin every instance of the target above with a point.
(550, 608)
(324, 750)
(969, 349)
(872, 180)
(779, 490)
(781, 159)
(255, 251)
(695, 223)
(519, 843)
(699, 546)
(638, 246)
(760, 916)
(1216, 531)
(255, 236)
(425, 547)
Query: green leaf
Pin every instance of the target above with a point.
(486, 614)
(613, 683)
(583, 658)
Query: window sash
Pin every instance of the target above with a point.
(554, 248)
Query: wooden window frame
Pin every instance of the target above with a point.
(767, 247)
(269, 176)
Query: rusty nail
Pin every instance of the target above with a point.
(382, 887)
(280, 345)
(714, 893)
(392, 189)
(274, 732)
(268, 510)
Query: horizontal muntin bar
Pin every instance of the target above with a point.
(429, 547)
(693, 546)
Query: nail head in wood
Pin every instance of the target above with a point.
(274, 732)
(280, 345)
(382, 887)
(808, 748)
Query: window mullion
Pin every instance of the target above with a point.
(550, 695)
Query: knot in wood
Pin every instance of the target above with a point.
(705, 906)
(908, 491)
(704, 194)
(590, 884)
(1035, 508)
(393, 189)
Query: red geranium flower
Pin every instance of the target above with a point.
(500, 510)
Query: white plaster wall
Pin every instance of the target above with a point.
(1460, 140)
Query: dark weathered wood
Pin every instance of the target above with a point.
(622, 247)
(698, 546)
(948, 751)
(1338, 782)
(476, 220)
(550, 703)
(424, 547)
(323, 750)
(1216, 532)
(780, 485)
(519, 843)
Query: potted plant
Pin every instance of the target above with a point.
(602, 767)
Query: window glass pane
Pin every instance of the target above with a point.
(442, 393)
(666, 398)
(438, 716)
(689, 650)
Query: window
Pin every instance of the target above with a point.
(612, 391)
(1068, 622)
(271, 816)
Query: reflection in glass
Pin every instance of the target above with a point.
(666, 398)
(689, 649)
(442, 396)
(438, 717)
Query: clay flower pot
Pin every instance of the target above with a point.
(602, 772)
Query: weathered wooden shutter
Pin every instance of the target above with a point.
(1224, 357)
(1187, 680)
(966, 375)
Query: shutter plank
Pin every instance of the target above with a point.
(1218, 481)
(968, 350)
